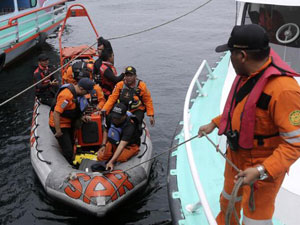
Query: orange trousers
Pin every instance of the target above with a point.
(126, 154)
(264, 192)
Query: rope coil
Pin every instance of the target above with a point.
(237, 186)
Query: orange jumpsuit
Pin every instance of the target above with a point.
(276, 153)
(127, 152)
(68, 77)
(145, 95)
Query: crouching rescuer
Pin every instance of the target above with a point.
(121, 137)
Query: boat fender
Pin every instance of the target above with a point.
(2, 59)
(42, 38)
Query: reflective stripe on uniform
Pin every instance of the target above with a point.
(248, 221)
(290, 134)
(228, 196)
(293, 140)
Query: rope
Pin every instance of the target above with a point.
(113, 38)
(170, 149)
(222, 154)
(231, 204)
(38, 151)
(163, 24)
(46, 77)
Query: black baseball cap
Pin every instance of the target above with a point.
(246, 37)
(118, 110)
(87, 84)
(130, 69)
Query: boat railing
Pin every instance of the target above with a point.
(186, 127)
(16, 29)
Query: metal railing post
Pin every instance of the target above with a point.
(37, 22)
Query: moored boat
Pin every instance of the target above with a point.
(195, 178)
(87, 187)
(25, 24)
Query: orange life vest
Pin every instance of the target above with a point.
(107, 85)
(40, 70)
(245, 135)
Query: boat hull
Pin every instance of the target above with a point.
(91, 192)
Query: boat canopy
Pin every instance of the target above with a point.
(274, 2)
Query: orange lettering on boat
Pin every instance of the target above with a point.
(74, 188)
(121, 181)
(106, 189)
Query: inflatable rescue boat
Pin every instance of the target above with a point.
(84, 189)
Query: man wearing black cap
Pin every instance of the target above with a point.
(261, 122)
(121, 138)
(133, 93)
(44, 90)
(65, 111)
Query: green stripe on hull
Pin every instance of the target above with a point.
(26, 27)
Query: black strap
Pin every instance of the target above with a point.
(246, 88)
(260, 138)
(263, 101)
(72, 89)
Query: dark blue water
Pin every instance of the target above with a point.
(165, 58)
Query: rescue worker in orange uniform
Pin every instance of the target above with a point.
(108, 73)
(121, 139)
(78, 70)
(45, 90)
(65, 111)
(261, 122)
(134, 94)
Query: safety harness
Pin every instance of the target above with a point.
(114, 134)
(127, 96)
(80, 103)
(257, 98)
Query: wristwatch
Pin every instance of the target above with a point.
(262, 173)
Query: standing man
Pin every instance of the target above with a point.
(261, 122)
(45, 90)
(64, 113)
(134, 94)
